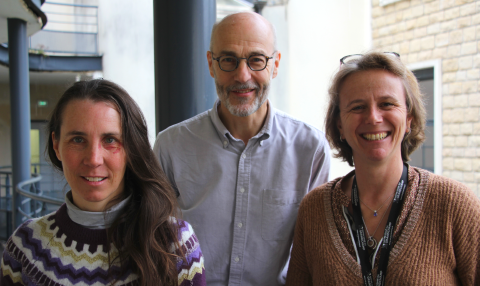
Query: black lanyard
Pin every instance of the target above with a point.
(387, 235)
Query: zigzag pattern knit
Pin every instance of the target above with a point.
(54, 250)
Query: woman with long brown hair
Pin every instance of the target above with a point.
(118, 225)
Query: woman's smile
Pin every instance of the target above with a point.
(373, 115)
(91, 151)
(375, 136)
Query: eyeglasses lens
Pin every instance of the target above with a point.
(228, 63)
(255, 62)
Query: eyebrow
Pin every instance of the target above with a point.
(232, 53)
(80, 133)
(362, 100)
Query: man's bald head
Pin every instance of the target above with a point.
(246, 20)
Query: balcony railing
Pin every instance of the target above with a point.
(72, 29)
(37, 199)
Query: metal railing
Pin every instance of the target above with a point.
(71, 29)
(34, 199)
(5, 200)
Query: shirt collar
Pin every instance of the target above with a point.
(223, 132)
(93, 220)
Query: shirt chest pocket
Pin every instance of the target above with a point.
(279, 212)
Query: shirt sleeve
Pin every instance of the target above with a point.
(466, 234)
(191, 270)
(298, 273)
(162, 155)
(11, 268)
(320, 164)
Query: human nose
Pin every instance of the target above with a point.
(243, 72)
(374, 116)
(93, 156)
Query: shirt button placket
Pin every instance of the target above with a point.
(240, 217)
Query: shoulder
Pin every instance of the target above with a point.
(286, 120)
(186, 236)
(293, 127)
(30, 236)
(315, 197)
(32, 226)
(189, 130)
(449, 193)
(190, 124)
(444, 185)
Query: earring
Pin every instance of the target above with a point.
(341, 140)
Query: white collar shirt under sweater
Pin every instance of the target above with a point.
(242, 200)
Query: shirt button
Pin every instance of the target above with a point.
(237, 259)
(240, 224)
(225, 143)
(244, 156)
(242, 190)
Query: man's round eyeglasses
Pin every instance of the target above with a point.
(347, 59)
(254, 62)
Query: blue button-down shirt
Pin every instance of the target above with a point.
(242, 200)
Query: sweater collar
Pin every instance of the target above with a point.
(93, 220)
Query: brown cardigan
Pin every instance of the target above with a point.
(438, 244)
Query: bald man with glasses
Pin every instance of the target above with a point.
(241, 168)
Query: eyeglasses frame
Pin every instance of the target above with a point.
(238, 61)
(345, 57)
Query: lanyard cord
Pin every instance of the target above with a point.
(387, 235)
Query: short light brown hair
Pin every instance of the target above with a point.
(413, 96)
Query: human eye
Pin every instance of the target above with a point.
(257, 59)
(228, 59)
(77, 140)
(110, 140)
(387, 104)
(357, 108)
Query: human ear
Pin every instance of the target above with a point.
(409, 123)
(339, 126)
(277, 58)
(55, 147)
(210, 63)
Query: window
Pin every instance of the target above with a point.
(429, 155)
(423, 157)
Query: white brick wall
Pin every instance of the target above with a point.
(449, 30)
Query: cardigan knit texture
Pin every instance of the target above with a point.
(54, 250)
(438, 243)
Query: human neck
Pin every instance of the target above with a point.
(243, 128)
(376, 182)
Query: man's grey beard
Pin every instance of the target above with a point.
(242, 111)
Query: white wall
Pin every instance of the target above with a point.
(311, 34)
(126, 40)
(314, 35)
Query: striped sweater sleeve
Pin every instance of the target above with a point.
(11, 267)
(191, 271)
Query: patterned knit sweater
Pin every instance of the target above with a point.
(436, 239)
(53, 250)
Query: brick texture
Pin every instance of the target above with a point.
(449, 30)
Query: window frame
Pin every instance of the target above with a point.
(436, 64)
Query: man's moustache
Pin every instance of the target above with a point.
(242, 86)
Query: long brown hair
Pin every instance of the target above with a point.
(144, 232)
